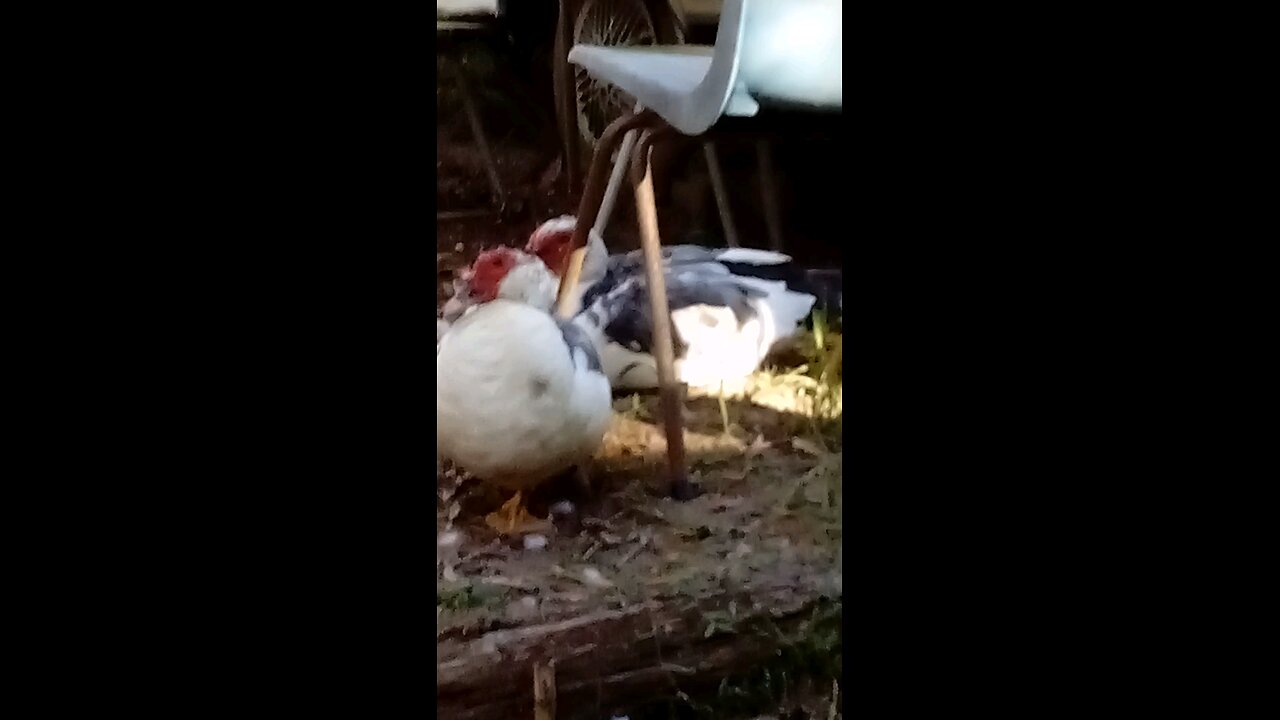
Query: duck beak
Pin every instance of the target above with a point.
(461, 300)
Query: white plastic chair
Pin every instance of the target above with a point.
(784, 52)
(780, 53)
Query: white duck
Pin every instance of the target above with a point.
(729, 306)
(520, 396)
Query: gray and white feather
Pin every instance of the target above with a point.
(582, 350)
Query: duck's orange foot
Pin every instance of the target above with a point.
(514, 519)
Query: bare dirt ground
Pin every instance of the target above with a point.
(769, 460)
(769, 518)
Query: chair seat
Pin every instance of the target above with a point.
(673, 81)
(783, 53)
(659, 72)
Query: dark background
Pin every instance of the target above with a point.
(252, 427)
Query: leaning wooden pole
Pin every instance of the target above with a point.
(589, 205)
(721, 192)
(670, 391)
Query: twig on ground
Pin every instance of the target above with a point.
(544, 690)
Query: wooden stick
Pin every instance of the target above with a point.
(672, 394)
(568, 102)
(578, 253)
(544, 690)
(615, 181)
(589, 204)
(721, 192)
(477, 132)
(462, 214)
(769, 194)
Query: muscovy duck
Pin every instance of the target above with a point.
(520, 394)
(729, 306)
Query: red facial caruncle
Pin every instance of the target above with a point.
(488, 271)
(551, 243)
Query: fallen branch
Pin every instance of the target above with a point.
(605, 660)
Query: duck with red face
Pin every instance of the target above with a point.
(520, 394)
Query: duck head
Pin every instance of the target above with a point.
(507, 273)
(551, 242)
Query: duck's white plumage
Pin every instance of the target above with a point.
(520, 395)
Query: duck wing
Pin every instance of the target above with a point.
(704, 261)
(623, 314)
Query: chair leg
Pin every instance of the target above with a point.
(477, 132)
(721, 192)
(592, 196)
(769, 194)
(615, 181)
(671, 392)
